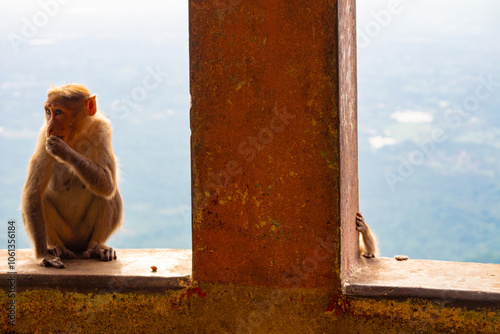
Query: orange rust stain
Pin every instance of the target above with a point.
(276, 62)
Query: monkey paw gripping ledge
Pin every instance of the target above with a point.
(131, 271)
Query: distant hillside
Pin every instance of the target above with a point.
(429, 167)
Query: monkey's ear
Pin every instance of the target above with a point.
(91, 105)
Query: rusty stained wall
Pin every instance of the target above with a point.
(228, 308)
(265, 147)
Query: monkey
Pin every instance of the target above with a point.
(70, 201)
(367, 240)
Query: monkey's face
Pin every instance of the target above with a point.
(62, 118)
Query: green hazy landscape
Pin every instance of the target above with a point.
(428, 110)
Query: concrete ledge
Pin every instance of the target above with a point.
(130, 272)
(450, 282)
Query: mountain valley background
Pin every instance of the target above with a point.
(420, 64)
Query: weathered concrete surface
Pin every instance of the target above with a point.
(265, 143)
(126, 273)
(229, 308)
(476, 283)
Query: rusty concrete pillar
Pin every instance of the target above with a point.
(274, 148)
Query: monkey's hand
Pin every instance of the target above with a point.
(368, 246)
(56, 147)
(360, 223)
(52, 261)
(100, 251)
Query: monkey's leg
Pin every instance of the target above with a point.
(105, 216)
(56, 227)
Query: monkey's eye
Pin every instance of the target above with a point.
(47, 112)
(58, 112)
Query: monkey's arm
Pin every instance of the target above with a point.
(368, 243)
(39, 173)
(99, 177)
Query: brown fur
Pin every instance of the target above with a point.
(70, 201)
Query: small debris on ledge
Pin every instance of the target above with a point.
(401, 257)
(153, 268)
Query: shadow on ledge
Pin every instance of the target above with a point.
(130, 272)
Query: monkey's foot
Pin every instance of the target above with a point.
(52, 261)
(62, 253)
(368, 255)
(100, 251)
